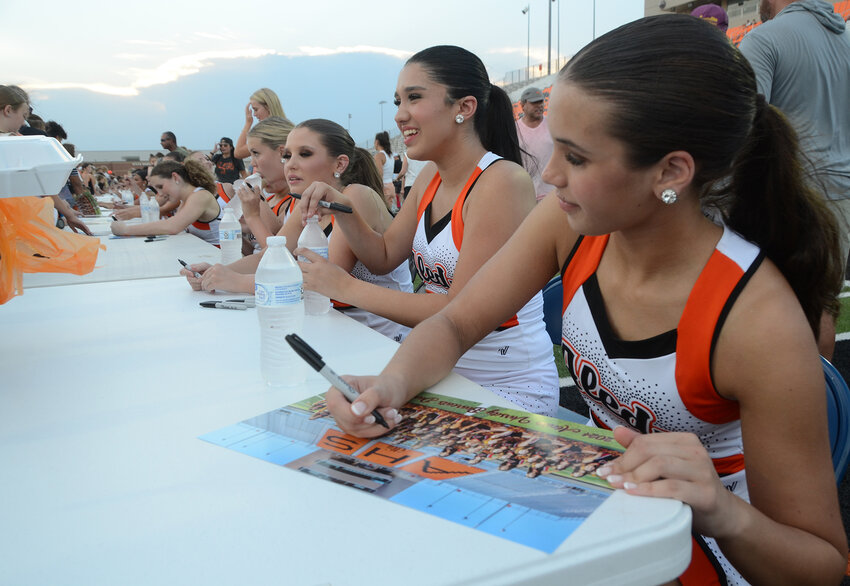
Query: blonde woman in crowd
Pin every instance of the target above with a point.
(262, 104)
(266, 143)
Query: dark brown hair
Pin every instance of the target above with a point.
(191, 171)
(676, 83)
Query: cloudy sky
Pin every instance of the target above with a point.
(92, 63)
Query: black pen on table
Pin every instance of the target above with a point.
(185, 266)
(311, 357)
(331, 205)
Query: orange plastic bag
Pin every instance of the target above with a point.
(31, 243)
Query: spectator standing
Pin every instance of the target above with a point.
(801, 58)
(534, 139)
(262, 104)
(168, 141)
(227, 167)
(384, 162)
(414, 167)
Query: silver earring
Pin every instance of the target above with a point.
(282, 160)
(336, 175)
(459, 118)
(669, 196)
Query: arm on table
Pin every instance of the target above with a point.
(444, 337)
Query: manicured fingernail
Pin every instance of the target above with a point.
(397, 419)
(391, 414)
(369, 419)
(614, 479)
(629, 485)
(603, 471)
(358, 408)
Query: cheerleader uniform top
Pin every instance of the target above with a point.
(206, 231)
(515, 360)
(285, 207)
(662, 383)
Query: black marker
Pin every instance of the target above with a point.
(230, 304)
(331, 205)
(312, 358)
(185, 266)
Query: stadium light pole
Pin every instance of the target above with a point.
(527, 12)
(594, 19)
(382, 102)
(549, 53)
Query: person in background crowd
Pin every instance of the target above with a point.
(34, 126)
(153, 160)
(412, 170)
(54, 130)
(227, 167)
(14, 108)
(534, 138)
(696, 346)
(463, 207)
(384, 162)
(801, 57)
(138, 184)
(266, 143)
(168, 141)
(262, 104)
(193, 187)
(175, 156)
(713, 14)
(87, 177)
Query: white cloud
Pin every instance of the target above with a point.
(322, 51)
(169, 71)
(178, 67)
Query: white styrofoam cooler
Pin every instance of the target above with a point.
(33, 165)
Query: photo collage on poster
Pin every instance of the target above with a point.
(523, 477)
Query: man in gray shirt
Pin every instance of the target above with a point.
(801, 58)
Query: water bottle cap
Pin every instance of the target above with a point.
(276, 241)
(314, 219)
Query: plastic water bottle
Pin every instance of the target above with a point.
(280, 309)
(144, 204)
(235, 203)
(314, 238)
(153, 207)
(229, 237)
(127, 197)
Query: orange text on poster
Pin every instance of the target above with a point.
(440, 469)
(336, 441)
(387, 455)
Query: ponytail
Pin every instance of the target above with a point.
(496, 127)
(362, 170)
(772, 202)
(191, 171)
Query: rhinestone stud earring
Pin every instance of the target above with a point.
(669, 196)
(459, 118)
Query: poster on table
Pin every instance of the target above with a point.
(527, 478)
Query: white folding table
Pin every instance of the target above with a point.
(105, 390)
